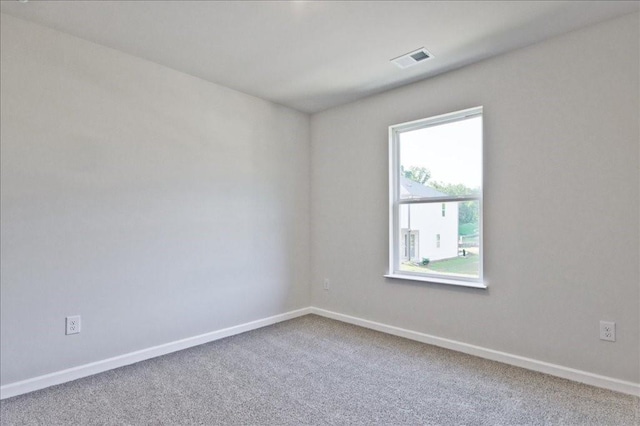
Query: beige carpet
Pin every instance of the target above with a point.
(312, 370)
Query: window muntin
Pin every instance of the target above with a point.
(436, 190)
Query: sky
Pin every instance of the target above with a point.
(451, 151)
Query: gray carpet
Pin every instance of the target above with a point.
(312, 370)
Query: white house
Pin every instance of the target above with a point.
(427, 230)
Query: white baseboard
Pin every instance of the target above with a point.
(506, 358)
(58, 377)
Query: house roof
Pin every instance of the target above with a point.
(419, 190)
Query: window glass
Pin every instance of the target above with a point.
(436, 193)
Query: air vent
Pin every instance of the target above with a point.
(412, 58)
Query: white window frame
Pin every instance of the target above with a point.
(395, 202)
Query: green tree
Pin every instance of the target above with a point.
(453, 189)
(467, 210)
(417, 174)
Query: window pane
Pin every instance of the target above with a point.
(441, 160)
(440, 245)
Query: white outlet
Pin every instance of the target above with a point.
(73, 324)
(327, 284)
(608, 331)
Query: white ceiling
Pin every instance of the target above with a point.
(314, 55)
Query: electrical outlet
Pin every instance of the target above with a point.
(73, 324)
(327, 284)
(608, 331)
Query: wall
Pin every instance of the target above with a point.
(154, 204)
(561, 203)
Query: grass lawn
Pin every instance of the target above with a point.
(468, 266)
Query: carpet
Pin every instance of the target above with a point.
(313, 370)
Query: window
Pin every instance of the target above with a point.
(410, 244)
(435, 181)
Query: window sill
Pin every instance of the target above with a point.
(447, 281)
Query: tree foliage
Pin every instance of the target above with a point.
(467, 210)
(417, 174)
(453, 189)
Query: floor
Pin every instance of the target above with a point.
(313, 370)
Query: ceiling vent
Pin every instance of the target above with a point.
(412, 58)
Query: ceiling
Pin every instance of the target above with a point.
(314, 55)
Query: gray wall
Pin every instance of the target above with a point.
(561, 203)
(154, 204)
